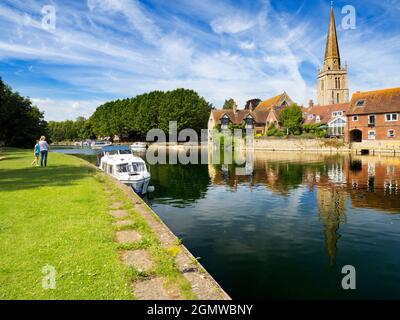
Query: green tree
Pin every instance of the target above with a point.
(228, 104)
(136, 116)
(21, 122)
(292, 119)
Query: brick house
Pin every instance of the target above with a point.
(374, 115)
(259, 119)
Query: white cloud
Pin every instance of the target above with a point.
(247, 45)
(58, 110)
(232, 24)
(118, 48)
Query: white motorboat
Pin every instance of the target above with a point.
(139, 146)
(100, 144)
(120, 163)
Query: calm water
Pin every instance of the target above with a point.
(286, 230)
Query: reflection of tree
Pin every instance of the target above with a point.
(332, 212)
(283, 177)
(185, 184)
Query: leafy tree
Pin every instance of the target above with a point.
(136, 116)
(70, 130)
(292, 119)
(228, 104)
(21, 122)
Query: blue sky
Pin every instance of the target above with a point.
(109, 49)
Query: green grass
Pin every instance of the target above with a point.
(164, 258)
(56, 216)
(59, 216)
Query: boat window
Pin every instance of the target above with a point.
(138, 167)
(123, 168)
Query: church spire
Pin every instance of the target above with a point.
(332, 55)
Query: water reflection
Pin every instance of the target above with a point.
(371, 182)
(289, 223)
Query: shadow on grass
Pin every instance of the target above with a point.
(35, 177)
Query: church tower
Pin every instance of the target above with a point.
(332, 79)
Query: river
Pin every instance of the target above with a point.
(286, 230)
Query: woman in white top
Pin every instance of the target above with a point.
(44, 149)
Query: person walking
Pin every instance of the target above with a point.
(44, 149)
(36, 152)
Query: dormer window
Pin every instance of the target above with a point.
(360, 103)
(337, 113)
(318, 119)
(224, 122)
(310, 117)
(249, 122)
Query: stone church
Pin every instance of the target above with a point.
(332, 78)
(373, 115)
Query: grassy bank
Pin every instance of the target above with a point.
(59, 216)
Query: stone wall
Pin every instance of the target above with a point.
(311, 145)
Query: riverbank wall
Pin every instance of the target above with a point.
(202, 283)
(304, 145)
(389, 148)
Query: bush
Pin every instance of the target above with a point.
(274, 132)
(314, 129)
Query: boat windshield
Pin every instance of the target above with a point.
(134, 167)
(117, 152)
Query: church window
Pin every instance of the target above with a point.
(338, 98)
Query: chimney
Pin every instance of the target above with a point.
(311, 103)
(234, 107)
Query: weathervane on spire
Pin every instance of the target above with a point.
(332, 3)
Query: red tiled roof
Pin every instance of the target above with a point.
(268, 104)
(240, 115)
(379, 101)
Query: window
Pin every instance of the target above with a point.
(355, 118)
(338, 98)
(371, 135)
(249, 123)
(371, 120)
(391, 117)
(310, 117)
(337, 114)
(391, 133)
(318, 119)
(224, 122)
(360, 103)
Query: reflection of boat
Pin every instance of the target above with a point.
(120, 163)
(100, 144)
(139, 146)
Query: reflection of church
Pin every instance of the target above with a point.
(368, 182)
(332, 212)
